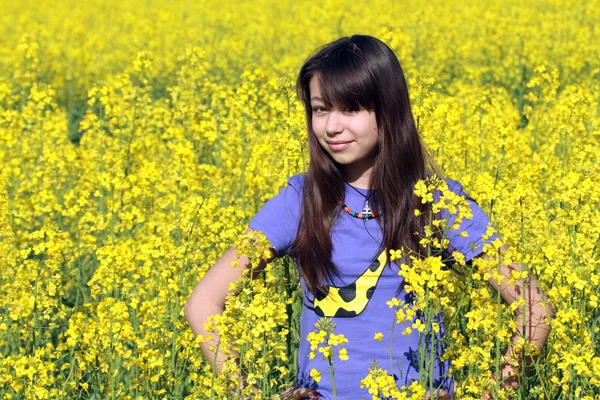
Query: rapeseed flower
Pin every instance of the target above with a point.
(130, 163)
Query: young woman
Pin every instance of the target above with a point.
(340, 219)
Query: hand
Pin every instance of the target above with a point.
(508, 377)
(243, 385)
(297, 394)
(289, 394)
(438, 394)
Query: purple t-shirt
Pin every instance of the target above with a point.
(357, 298)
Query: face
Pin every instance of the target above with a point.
(349, 136)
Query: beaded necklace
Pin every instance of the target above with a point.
(366, 213)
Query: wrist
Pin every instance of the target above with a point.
(519, 359)
(509, 376)
(510, 370)
(522, 352)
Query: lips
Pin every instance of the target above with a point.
(337, 146)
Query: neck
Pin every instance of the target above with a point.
(358, 177)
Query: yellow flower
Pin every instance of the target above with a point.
(110, 216)
(343, 354)
(395, 254)
(316, 375)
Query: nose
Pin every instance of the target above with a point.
(334, 123)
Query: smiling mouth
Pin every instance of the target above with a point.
(337, 146)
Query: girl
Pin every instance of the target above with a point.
(340, 219)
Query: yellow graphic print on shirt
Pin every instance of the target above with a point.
(350, 300)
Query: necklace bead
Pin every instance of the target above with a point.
(367, 214)
(363, 215)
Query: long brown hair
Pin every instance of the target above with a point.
(360, 72)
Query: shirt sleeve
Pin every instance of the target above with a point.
(279, 217)
(472, 245)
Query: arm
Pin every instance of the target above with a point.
(208, 298)
(530, 317)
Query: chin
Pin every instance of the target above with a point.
(342, 161)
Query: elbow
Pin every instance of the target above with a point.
(198, 308)
(194, 316)
(550, 311)
(189, 307)
(187, 311)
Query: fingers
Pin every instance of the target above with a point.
(438, 394)
(299, 394)
(288, 392)
(305, 392)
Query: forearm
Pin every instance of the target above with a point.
(521, 290)
(197, 317)
(208, 298)
(532, 317)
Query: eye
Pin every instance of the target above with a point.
(319, 109)
(351, 110)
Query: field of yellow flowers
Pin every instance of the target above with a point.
(138, 137)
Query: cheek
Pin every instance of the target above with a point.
(317, 127)
(372, 130)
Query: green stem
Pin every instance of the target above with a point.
(265, 385)
(391, 342)
(332, 379)
(214, 371)
(498, 322)
(241, 373)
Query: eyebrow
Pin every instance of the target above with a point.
(316, 98)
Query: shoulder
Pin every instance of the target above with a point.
(297, 182)
(454, 185)
(457, 188)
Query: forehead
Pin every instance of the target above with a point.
(340, 90)
(315, 89)
(320, 94)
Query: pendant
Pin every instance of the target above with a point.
(367, 211)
